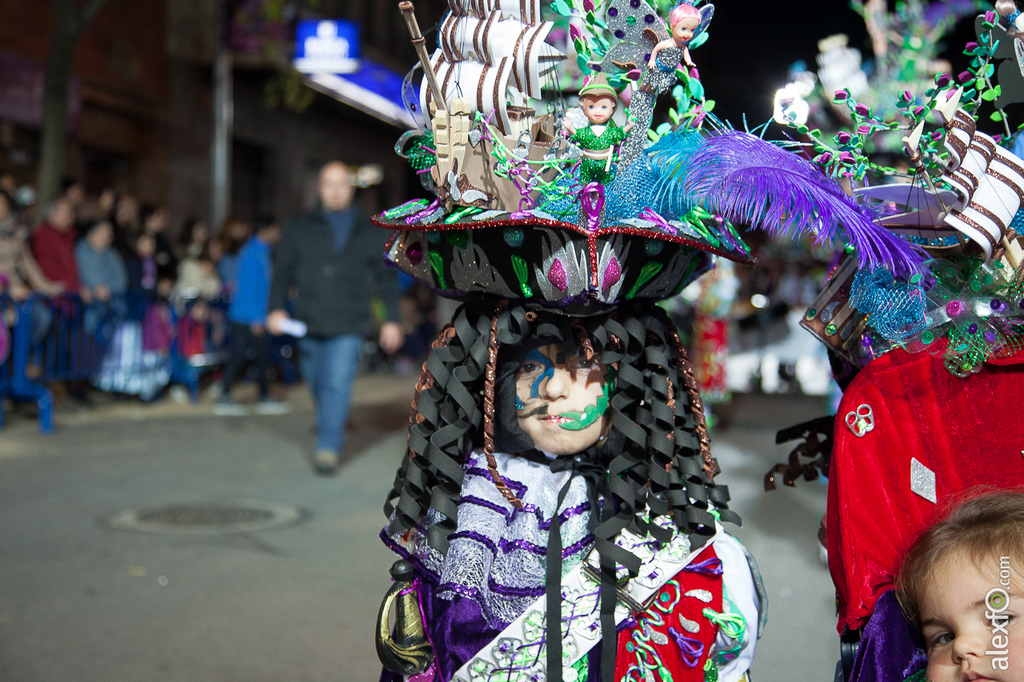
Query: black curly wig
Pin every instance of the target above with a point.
(657, 450)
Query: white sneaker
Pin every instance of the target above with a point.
(272, 406)
(226, 407)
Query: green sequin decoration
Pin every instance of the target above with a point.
(710, 671)
(522, 274)
(408, 208)
(437, 263)
(582, 668)
(831, 329)
(461, 213)
(647, 272)
(420, 155)
(927, 338)
(457, 238)
(811, 314)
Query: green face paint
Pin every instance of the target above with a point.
(581, 420)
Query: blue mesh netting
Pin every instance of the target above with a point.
(896, 309)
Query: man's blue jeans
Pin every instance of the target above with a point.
(328, 367)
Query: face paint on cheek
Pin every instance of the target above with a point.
(577, 421)
(549, 371)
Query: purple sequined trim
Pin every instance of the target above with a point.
(460, 589)
(475, 537)
(711, 566)
(506, 591)
(518, 488)
(419, 566)
(564, 516)
(508, 546)
(487, 504)
(575, 547)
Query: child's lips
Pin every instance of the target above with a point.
(555, 419)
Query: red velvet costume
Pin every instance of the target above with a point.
(668, 607)
(966, 431)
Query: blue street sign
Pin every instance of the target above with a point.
(327, 46)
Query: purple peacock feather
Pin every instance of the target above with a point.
(750, 181)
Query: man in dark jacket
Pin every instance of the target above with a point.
(335, 258)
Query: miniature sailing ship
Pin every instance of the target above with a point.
(988, 181)
(491, 58)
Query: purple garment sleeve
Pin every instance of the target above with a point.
(458, 631)
(890, 648)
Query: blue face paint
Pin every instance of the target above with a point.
(549, 370)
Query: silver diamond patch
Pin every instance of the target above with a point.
(922, 481)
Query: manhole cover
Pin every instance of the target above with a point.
(209, 518)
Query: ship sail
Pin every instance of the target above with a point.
(491, 51)
(483, 87)
(523, 11)
(988, 179)
(492, 39)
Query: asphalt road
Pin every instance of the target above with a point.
(83, 601)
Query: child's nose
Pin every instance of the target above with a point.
(557, 386)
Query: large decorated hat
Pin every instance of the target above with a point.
(543, 204)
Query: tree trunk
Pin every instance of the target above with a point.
(69, 22)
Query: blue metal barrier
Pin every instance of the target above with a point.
(130, 344)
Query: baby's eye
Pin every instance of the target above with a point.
(940, 639)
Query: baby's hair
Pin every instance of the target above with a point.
(598, 96)
(988, 524)
(680, 12)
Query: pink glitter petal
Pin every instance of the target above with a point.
(612, 274)
(557, 276)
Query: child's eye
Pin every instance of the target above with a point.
(584, 365)
(529, 367)
(940, 639)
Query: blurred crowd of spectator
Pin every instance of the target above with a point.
(109, 260)
(108, 245)
(106, 254)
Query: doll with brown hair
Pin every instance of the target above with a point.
(962, 586)
(598, 100)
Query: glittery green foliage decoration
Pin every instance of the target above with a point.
(847, 154)
(647, 273)
(421, 151)
(437, 263)
(522, 274)
(977, 307)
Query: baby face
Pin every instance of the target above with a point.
(971, 623)
(682, 30)
(561, 401)
(598, 111)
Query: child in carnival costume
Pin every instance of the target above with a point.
(566, 401)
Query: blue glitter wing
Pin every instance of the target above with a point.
(706, 12)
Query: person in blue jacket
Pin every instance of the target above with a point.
(247, 314)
